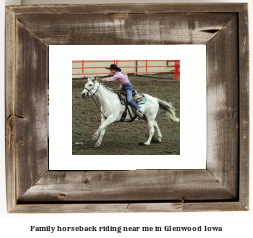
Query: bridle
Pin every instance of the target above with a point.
(93, 98)
(89, 90)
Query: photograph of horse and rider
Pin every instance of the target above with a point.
(126, 107)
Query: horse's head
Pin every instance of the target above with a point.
(89, 87)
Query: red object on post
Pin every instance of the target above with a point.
(177, 67)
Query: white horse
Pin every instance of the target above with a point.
(113, 109)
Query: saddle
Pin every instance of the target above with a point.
(137, 97)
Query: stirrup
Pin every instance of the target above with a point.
(139, 113)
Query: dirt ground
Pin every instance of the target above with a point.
(123, 138)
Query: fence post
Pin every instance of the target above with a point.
(82, 66)
(177, 66)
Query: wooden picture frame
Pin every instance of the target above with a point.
(223, 186)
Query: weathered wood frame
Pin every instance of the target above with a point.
(222, 186)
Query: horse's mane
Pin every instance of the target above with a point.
(109, 87)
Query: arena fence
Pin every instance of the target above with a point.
(135, 67)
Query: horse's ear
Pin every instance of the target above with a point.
(94, 79)
(89, 79)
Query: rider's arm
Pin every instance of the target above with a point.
(110, 78)
(99, 79)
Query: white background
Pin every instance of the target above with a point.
(192, 107)
(235, 224)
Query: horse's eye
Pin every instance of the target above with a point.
(90, 85)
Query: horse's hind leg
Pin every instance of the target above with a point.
(156, 127)
(159, 137)
(150, 121)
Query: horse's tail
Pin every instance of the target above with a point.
(169, 110)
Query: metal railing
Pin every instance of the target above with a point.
(146, 67)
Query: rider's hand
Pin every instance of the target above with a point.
(99, 79)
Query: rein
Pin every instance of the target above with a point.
(94, 100)
(98, 107)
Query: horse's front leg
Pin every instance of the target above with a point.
(100, 138)
(101, 135)
(101, 130)
(98, 132)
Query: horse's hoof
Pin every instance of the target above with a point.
(156, 140)
(94, 137)
(97, 145)
(146, 143)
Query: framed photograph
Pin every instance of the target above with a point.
(146, 107)
(159, 81)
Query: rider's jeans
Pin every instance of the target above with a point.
(128, 88)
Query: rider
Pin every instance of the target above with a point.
(122, 78)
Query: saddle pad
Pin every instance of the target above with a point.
(143, 101)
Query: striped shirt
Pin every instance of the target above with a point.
(122, 78)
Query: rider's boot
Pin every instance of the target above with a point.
(139, 113)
